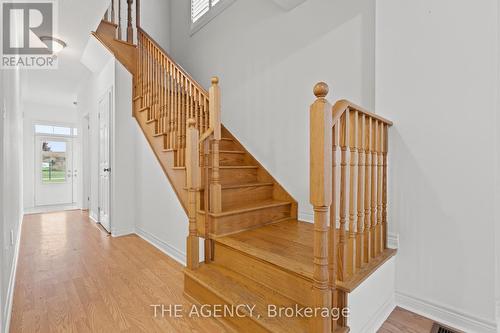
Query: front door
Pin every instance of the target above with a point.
(105, 105)
(54, 171)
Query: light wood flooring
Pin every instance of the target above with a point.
(74, 277)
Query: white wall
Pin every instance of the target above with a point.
(160, 216)
(268, 61)
(437, 80)
(33, 113)
(11, 187)
(155, 17)
(123, 170)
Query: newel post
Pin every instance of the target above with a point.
(193, 185)
(215, 123)
(321, 198)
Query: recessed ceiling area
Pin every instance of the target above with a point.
(76, 20)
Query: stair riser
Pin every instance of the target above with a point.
(205, 296)
(227, 159)
(224, 225)
(235, 176)
(286, 283)
(228, 145)
(233, 196)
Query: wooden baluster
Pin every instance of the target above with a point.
(112, 19)
(138, 13)
(120, 21)
(215, 123)
(130, 30)
(332, 241)
(351, 245)
(385, 149)
(380, 247)
(171, 106)
(373, 214)
(206, 197)
(342, 251)
(193, 185)
(178, 117)
(360, 198)
(162, 96)
(368, 165)
(321, 199)
(183, 119)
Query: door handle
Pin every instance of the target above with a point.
(107, 170)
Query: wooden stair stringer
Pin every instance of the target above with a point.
(124, 52)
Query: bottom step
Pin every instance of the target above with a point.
(215, 285)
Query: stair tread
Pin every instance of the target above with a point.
(246, 207)
(237, 289)
(289, 245)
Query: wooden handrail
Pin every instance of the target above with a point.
(343, 105)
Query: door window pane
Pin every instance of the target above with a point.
(53, 162)
(62, 130)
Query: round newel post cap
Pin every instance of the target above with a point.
(215, 80)
(191, 122)
(321, 90)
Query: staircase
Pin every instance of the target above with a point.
(257, 253)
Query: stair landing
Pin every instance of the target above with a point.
(289, 245)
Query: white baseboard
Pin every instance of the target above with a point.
(169, 250)
(12, 279)
(380, 316)
(93, 217)
(122, 232)
(498, 316)
(306, 216)
(445, 315)
(392, 240)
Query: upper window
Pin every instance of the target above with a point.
(200, 8)
(202, 11)
(55, 130)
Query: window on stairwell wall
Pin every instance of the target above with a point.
(203, 11)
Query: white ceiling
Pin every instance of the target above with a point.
(76, 20)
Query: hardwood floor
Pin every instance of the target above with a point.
(73, 277)
(402, 320)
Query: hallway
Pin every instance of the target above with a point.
(73, 277)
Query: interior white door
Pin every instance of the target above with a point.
(105, 105)
(77, 179)
(53, 171)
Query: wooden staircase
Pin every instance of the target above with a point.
(256, 251)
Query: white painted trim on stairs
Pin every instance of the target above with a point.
(12, 281)
(380, 316)
(445, 315)
(169, 250)
(392, 240)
